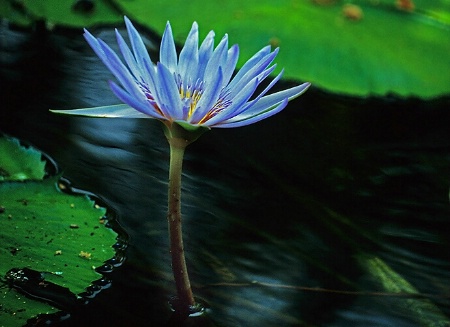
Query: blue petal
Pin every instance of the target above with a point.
(204, 53)
(141, 106)
(250, 64)
(254, 119)
(169, 95)
(168, 52)
(188, 62)
(268, 87)
(93, 42)
(139, 49)
(269, 101)
(152, 80)
(209, 98)
(120, 71)
(266, 72)
(238, 103)
(217, 59)
(260, 78)
(257, 69)
(230, 66)
(127, 55)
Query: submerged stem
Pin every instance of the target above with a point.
(180, 273)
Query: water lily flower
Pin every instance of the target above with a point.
(190, 94)
(195, 89)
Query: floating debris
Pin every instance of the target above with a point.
(85, 255)
(352, 12)
(405, 5)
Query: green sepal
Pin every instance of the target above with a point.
(184, 131)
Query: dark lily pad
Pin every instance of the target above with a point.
(422, 309)
(47, 233)
(15, 12)
(77, 13)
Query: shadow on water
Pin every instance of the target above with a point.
(310, 218)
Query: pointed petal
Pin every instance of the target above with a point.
(253, 119)
(169, 96)
(232, 58)
(268, 87)
(256, 70)
(127, 55)
(238, 103)
(266, 72)
(250, 64)
(204, 53)
(188, 63)
(93, 42)
(168, 52)
(209, 98)
(151, 80)
(217, 59)
(144, 107)
(239, 100)
(269, 101)
(139, 49)
(112, 111)
(120, 71)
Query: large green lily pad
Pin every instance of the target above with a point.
(59, 234)
(386, 51)
(378, 50)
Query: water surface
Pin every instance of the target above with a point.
(284, 221)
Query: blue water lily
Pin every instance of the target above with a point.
(189, 93)
(196, 88)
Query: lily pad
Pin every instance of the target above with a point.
(386, 50)
(360, 49)
(61, 237)
(18, 162)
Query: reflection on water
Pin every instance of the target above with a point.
(283, 220)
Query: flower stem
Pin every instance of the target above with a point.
(183, 285)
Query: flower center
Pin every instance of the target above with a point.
(190, 93)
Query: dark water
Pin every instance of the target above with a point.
(286, 222)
